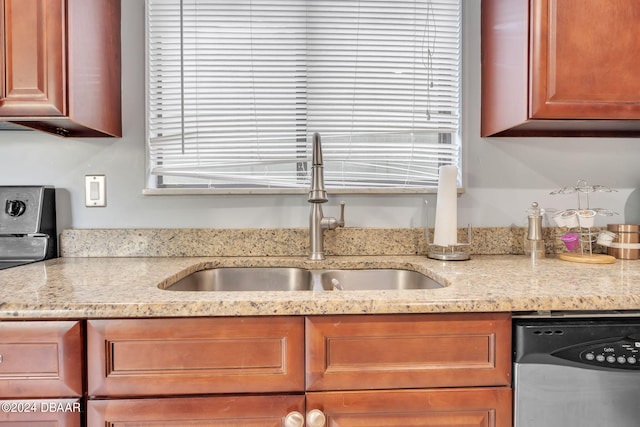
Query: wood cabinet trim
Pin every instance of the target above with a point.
(505, 64)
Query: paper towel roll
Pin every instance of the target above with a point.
(446, 223)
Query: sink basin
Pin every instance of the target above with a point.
(245, 279)
(231, 279)
(375, 280)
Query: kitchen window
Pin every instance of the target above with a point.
(235, 90)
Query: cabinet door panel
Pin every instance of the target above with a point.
(584, 61)
(195, 356)
(34, 67)
(232, 411)
(407, 351)
(489, 407)
(41, 359)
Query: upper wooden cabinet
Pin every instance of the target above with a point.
(560, 68)
(60, 66)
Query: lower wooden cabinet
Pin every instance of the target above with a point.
(41, 373)
(465, 407)
(217, 411)
(336, 371)
(468, 407)
(169, 357)
(407, 351)
(41, 359)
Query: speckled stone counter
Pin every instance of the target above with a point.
(83, 287)
(287, 242)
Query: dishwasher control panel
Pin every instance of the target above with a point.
(619, 354)
(606, 344)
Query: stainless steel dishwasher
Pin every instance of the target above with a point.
(577, 372)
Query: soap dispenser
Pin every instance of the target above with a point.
(533, 242)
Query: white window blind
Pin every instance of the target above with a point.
(236, 88)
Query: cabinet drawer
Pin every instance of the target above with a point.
(219, 411)
(41, 413)
(481, 407)
(408, 351)
(40, 359)
(132, 357)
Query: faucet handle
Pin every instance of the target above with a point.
(341, 220)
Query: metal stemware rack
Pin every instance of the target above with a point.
(582, 221)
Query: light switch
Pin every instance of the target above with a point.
(95, 191)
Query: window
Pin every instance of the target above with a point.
(235, 90)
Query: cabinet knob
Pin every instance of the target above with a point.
(294, 419)
(316, 418)
(15, 208)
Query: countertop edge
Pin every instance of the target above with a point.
(85, 288)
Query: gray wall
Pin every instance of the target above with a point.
(502, 176)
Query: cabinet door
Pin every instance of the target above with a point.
(584, 59)
(490, 407)
(41, 359)
(152, 357)
(408, 351)
(220, 411)
(3, 93)
(41, 413)
(34, 58)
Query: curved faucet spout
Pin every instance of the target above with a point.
(318, 195)
(316, 154)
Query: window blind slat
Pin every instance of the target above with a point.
(236, 88)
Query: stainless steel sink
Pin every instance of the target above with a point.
(231, 279)
(378, 280)
(245, 279)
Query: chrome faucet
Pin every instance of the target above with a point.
(317, 196)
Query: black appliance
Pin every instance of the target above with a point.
(27, 225)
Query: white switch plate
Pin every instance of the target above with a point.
(95, 194)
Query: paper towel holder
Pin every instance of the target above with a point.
(450, 252)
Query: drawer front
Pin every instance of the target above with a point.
(150, 357)
(219, 411)
(41, 413)
(481, 407)
(408, 351)
(41, 359)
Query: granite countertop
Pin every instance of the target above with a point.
(108, 287)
